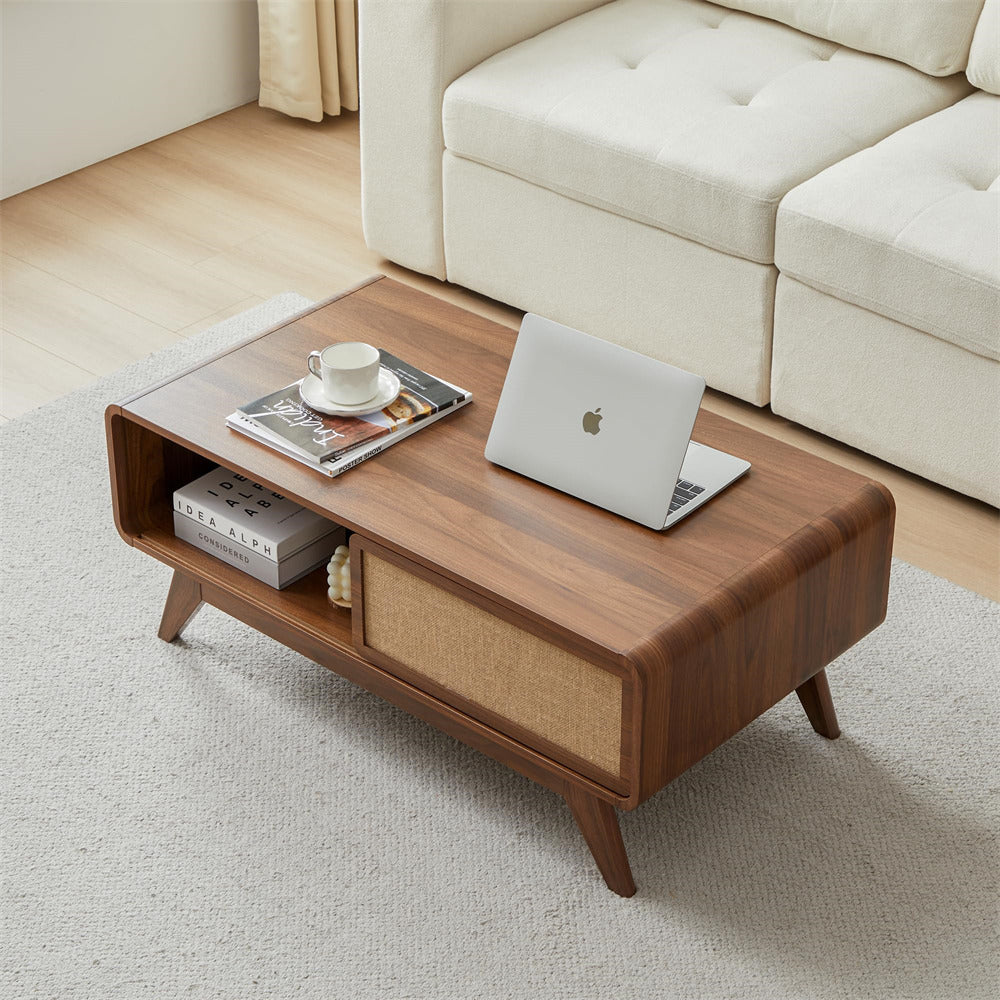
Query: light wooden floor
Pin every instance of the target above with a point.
(121, 258)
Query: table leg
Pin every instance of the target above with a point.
(818, 703)
(183, 600)
(599, 825)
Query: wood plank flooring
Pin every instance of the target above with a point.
(115, 261)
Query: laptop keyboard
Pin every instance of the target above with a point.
(684, 492)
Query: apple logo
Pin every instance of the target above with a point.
(592, 421)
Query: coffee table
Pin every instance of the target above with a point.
(597, 657)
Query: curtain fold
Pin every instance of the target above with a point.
(308, 57)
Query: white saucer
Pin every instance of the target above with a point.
(311, 391)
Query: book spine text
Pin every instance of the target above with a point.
(223, 525)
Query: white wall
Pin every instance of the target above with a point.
(84, 80)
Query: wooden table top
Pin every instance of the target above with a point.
(435, 498)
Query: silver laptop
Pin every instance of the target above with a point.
(606, 425)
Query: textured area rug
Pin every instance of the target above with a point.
(223, 818)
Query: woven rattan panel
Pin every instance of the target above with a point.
(545, 689)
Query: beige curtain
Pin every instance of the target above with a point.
(308, 57)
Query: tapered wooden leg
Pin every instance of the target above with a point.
(599, 825)
(818, 703)
(183, 600)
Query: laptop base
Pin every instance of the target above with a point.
(705, 472)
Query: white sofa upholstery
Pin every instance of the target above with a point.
(636, 285)
(409, 51)
(909, 228)
(930, 35)
(893, 391)
(984, 54)
(909, 231)
(630, 167)
(681, 114)
(887, 314)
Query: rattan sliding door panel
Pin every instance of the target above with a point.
(539, 687)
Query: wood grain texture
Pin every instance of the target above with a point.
(709, 624)
(145, 469)
(762, 633)
(818, 703)
(789, 564)
(439, 503)
(599, 825)
(183, 602)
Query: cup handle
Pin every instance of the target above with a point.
(318, 370)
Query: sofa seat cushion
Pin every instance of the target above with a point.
(682, 114)
(910, 228)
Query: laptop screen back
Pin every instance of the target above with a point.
(594, 420)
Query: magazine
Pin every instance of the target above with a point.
(235, 421)
(332, 445)
(321, 438)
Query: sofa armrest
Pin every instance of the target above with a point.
(410, 51)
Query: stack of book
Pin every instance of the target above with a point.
(331, 444)
(253, 528)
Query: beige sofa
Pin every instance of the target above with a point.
(797, 200)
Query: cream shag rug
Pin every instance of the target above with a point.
(223, 818)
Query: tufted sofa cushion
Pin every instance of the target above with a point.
(910, 229)
(930, 35)
(984, 58)
(682, 114)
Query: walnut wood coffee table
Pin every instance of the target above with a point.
(597, 657)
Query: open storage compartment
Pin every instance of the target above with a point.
(147, 468)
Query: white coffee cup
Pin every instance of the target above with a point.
(349, 372)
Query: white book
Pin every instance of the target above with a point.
(249, 514)
(238, 422)
(276, 574)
